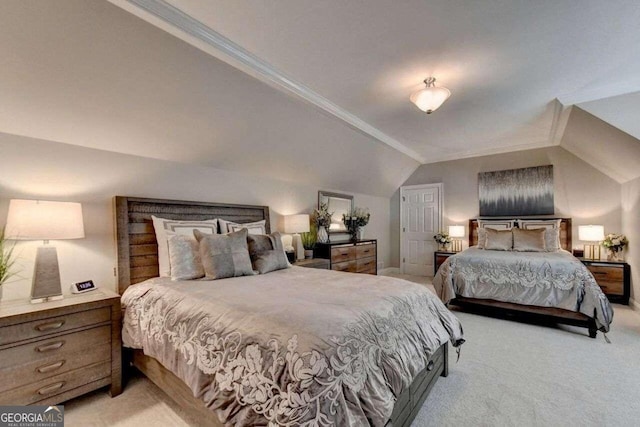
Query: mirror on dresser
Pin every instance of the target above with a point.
(339, 204)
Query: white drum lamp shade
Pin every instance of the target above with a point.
(294, 224)
(591, 233)
(456, 230)
(42, 220)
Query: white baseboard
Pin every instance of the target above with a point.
(634, 305)
(388, 270)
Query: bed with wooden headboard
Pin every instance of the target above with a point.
(492, 307)
(137, 255)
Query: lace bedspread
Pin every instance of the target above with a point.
(293, 347)
(544, 279)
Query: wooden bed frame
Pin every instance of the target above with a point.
(528, 312)
(137, 253)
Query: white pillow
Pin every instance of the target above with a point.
(494, 224)
(162, 225)
(258, 227)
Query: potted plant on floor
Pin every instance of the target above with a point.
(7, 261)
(309, 241)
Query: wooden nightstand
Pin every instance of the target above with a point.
(54, 351)
(319, 263)
(438, 258)
(614, 277)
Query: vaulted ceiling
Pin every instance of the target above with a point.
(317, 91)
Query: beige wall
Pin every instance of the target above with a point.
(580, 191)
(48, 170)
(631, 229)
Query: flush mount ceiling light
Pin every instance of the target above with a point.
(430, 98)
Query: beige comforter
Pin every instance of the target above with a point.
(293, 347)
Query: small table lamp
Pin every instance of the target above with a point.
(41, 220)
(295, 224)
(591, 233)
(457, 232)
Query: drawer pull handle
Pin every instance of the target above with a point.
(51, 388)
(50, 347)
(430, 365)
(50, 367)
(49, 326)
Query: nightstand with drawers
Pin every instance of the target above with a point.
(354, 257)
(439, 257)
(614, 277)
(54, 351)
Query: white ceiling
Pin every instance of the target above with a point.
(88, 73)
(323, 96)
(505, 62)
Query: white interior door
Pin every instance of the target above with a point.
(421, 219)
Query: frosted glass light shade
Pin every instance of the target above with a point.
(42, 220)
(456, 230)
(431, 97)
(296, 223)
(591, 233)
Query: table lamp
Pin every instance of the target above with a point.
(295, 224)
(456, 232)
(42, 220)
(591, 233)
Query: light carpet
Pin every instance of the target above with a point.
(509, 374)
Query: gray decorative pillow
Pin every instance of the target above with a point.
(267, 253)
(184, 257)
(498, 240)
(552, 240)
(528, 240)
(224, 255)
(495, 224)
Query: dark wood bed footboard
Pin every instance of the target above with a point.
(405, 410)
(527, 312)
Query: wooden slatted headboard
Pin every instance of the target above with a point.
(565, 231)
(136, 245)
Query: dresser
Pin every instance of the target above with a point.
(614, 277)
(54, 351)
(354, 257)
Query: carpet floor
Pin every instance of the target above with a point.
(509, 374)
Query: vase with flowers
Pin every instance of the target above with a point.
(355, 220)
(615, 244)
(443, 240)
(322, 219)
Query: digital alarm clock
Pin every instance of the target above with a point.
(82, 287)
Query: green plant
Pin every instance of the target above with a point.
(309, 239)
(7, 260)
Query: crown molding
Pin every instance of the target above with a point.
(170, 18)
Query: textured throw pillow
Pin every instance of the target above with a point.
(267, 253)
(498, 240)
(162, 225)
(552, 240)
(258, 227)
(528, 240)
(224, 255)
(552, 231)
(495, 224)
(184, 256)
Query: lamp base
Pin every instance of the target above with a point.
(46, 276)
(297, 246)
(592, 252)
(456, 245)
